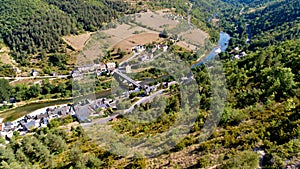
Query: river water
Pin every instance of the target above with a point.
(222, 44)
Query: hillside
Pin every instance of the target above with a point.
(260, 123)
(33, 29)
(277, 22)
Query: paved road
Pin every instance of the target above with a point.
(33, 77)
(143, 100)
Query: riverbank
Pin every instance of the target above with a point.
(17, 112)
(29, 107)
(222, 44)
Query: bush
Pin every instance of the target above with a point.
(242, 160)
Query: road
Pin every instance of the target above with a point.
(100, 121)
(129, 59)
(189, 14)
(130, 109)
(143, 100)
(15, 79)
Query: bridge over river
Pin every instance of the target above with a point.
(122, 75)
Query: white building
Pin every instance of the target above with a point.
(111, 66)
(138, 48)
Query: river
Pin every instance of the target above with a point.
(222, 44)
(15, 113)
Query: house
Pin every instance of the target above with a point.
(75, 73)
(100, 67)
(148, 89)
(64, 111)
(128, 69)
(164, 47)
(34, 73)
(111, 66)
(12, 100)
(44, 122)
(54, 74)
(41, 116)
(8, 126)
(85, 68)
(82, 113)
(98, 72)
(138, 48)
(143, 58)
(243, 54)
(22, 122)
(28, 126)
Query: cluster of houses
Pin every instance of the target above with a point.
(174, 17)
(99, 69)
(147, 90)
(145, 57)
(12, 100)
(37, 120)
(238, 53)
(141, 48)
(79, 71)
(89, 108)
(34, 120)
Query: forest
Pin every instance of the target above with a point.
(263, 87)
(32, 29)
(271, 25)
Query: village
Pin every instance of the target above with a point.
(41, 118)
(86, 110)
(83, 112)
(141, 48)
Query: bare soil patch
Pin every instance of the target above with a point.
(156, 20)
(215, 21)
(77, 41)
(4, 56)
(121, 32)
(99, 42)
(186, 46)
(196, 36)
(140, 39)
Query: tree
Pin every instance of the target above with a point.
(164, 34)
(55, 143)
(4, 90)
(75, 155)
